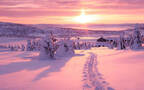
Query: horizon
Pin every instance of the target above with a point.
(72, 11)
(75, 23)
(96, 27)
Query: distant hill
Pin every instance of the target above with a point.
(64, 29)
(25, 30)
(13, 29)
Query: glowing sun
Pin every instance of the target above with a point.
(83, 18)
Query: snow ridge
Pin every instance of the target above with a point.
(93, 80)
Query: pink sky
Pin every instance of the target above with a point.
(63, 11)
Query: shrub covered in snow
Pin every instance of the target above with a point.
(48, 47)
(65, 48)
(136, 41)
(121, 43)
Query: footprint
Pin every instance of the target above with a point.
(99, 74)
(100, 77)
(84, 72)
(87, 86)
(109, 88)
(84, 79)
(85, 76)
(99, 88)
(104, 82)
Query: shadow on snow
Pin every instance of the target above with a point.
(35, 63)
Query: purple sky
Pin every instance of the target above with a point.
(62, 11)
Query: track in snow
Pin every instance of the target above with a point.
(92, 79)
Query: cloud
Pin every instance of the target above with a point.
(36, 12)
(68, 4)
(25, 8)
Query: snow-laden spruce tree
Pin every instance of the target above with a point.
(12, 48)
(29, 44)
(48, 47)
(78, 43)
(65, 48)
(22, 47)
(121, 42)
(137, 38)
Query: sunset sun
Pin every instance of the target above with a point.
(83, 18)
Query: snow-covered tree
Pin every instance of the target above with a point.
(29, 45)
(78, 43)
(121, 43)
(136, 41)
(66, 48)
(48, 47)
(12, 48)
(22, 47)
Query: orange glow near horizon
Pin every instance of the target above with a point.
(83, 18)
(94, 19)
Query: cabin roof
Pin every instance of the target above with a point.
(101, 39)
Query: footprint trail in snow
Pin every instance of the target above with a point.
(92, 79)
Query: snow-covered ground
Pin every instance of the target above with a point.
(93, 69)
(123, 70)
(88, 69)
(24, 71)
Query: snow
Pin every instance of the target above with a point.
(106, 68)
(123, 70)
(98, 68)
(23, 70)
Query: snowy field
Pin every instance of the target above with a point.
(24, 71)
(53, 63)
(123, 70)
(87, 70)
